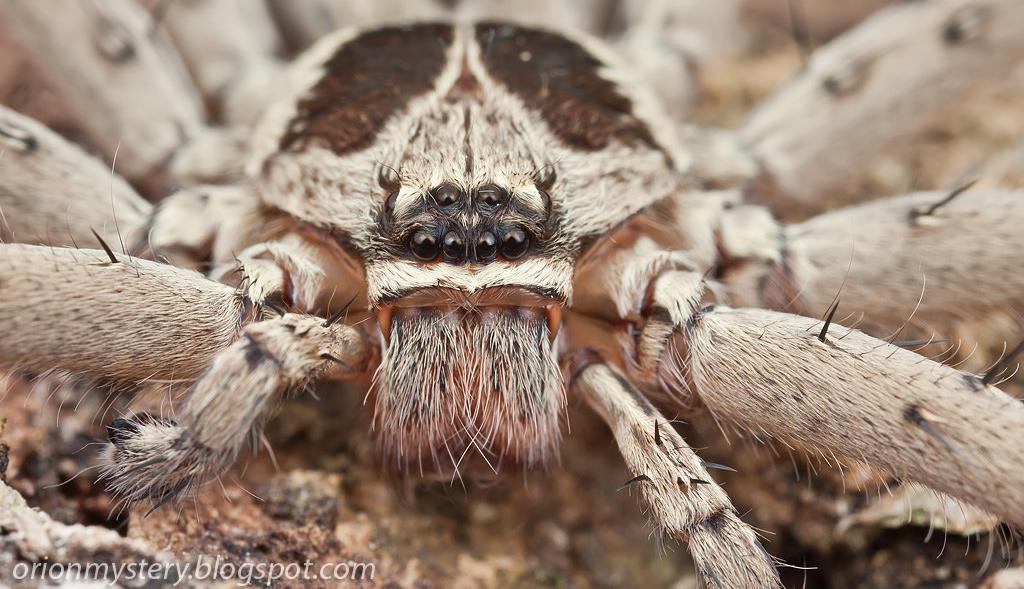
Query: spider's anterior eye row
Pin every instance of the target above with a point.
(514, 243)
(486, 246)
(423, 245)
(511, 242)
(454, 247)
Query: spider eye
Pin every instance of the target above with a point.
(424, 245)
(453, 246)
(545, 177)
(514, 243)
(447, 194)
(387, 178)
(490, 195)
(486, 246)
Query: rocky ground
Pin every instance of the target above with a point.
(325, 500)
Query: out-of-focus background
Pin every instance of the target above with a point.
(322, 497)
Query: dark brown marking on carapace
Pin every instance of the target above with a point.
(369, 79)
(561, 80)
(466, 84)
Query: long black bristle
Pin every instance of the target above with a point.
(1002, 364)
(948, 199)
(828, 321)
(334, 318)
(106, 248)
(638, 478)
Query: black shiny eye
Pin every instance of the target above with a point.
(447, 194)
(490, 195)
(424, 245)
(387, 178)
(486, 246)
(514, 243)
(545, 177)
(453, 246)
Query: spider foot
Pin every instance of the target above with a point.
(152, 459)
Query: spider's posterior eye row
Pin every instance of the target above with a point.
(448, 195)
(511, 242)
(490, 195)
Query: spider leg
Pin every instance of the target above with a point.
(205, 224)
(294, 269)
(158, 459)
(228, 47)
(668, 41)
(1004, 168)
(106, 314)
(276, 262)
(834, 388)
(684, 500)
(871, 89)
(940, 265)
(131, 319)
(812, 21)
(52, 192)
(301, 22)
(77, 48)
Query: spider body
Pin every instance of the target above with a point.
(512, 218)
(485, 160)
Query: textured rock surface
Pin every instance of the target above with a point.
(31, 538)
(330, 504)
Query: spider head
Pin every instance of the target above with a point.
(467, 173)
